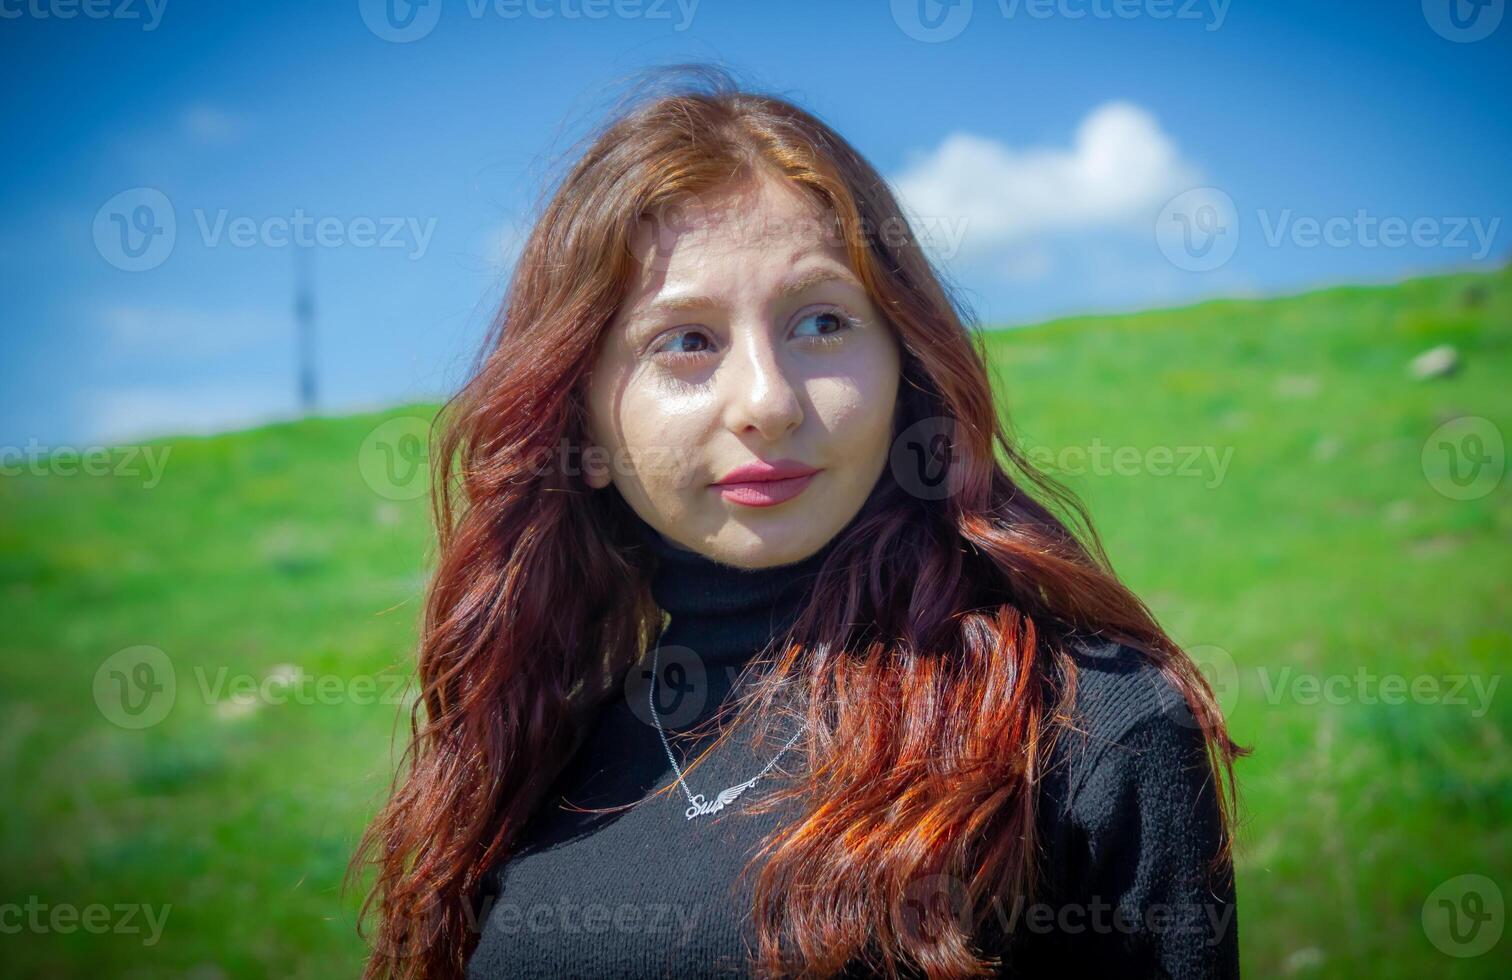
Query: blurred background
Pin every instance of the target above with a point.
(1243, 270)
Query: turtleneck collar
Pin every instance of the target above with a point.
(727, 614)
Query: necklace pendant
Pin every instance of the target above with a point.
(701, 807)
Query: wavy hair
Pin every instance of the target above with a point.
(931, 662)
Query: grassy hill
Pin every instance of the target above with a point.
(1266, 473)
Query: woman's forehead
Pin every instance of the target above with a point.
(762, 232)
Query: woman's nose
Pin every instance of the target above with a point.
(758, 395)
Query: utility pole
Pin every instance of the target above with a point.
(304, 318)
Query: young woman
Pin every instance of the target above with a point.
(755, 647)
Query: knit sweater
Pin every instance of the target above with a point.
(1127, 818)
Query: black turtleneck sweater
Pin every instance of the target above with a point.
(1127, 818)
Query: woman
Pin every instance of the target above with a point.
(903, 720)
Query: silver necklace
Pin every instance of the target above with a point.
(697, 805)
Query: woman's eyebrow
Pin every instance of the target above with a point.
(801, 283)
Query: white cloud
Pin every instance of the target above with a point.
(211, 125)
(188, 333)
(1027, 265)
(1119, 170)
(122, 414)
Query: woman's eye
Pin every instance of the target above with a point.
(826, 324)
(683, 343)
(689, 343)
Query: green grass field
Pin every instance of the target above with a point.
(1266, 473)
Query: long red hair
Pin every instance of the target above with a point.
(928, 725)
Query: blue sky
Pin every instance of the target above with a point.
(1065, 152)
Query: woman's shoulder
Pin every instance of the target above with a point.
(1132, 822)
(1128, 735)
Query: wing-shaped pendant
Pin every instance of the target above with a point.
(700, 807)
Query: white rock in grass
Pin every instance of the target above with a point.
(1298, 386)
(1300, 960)
(284, 674)
(1436, 362)
(234, 707)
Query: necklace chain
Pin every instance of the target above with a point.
(697, 805)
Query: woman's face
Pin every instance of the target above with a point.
(749, 342)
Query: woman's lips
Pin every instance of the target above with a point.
(765, 493)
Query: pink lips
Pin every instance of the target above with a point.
(765, 484)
